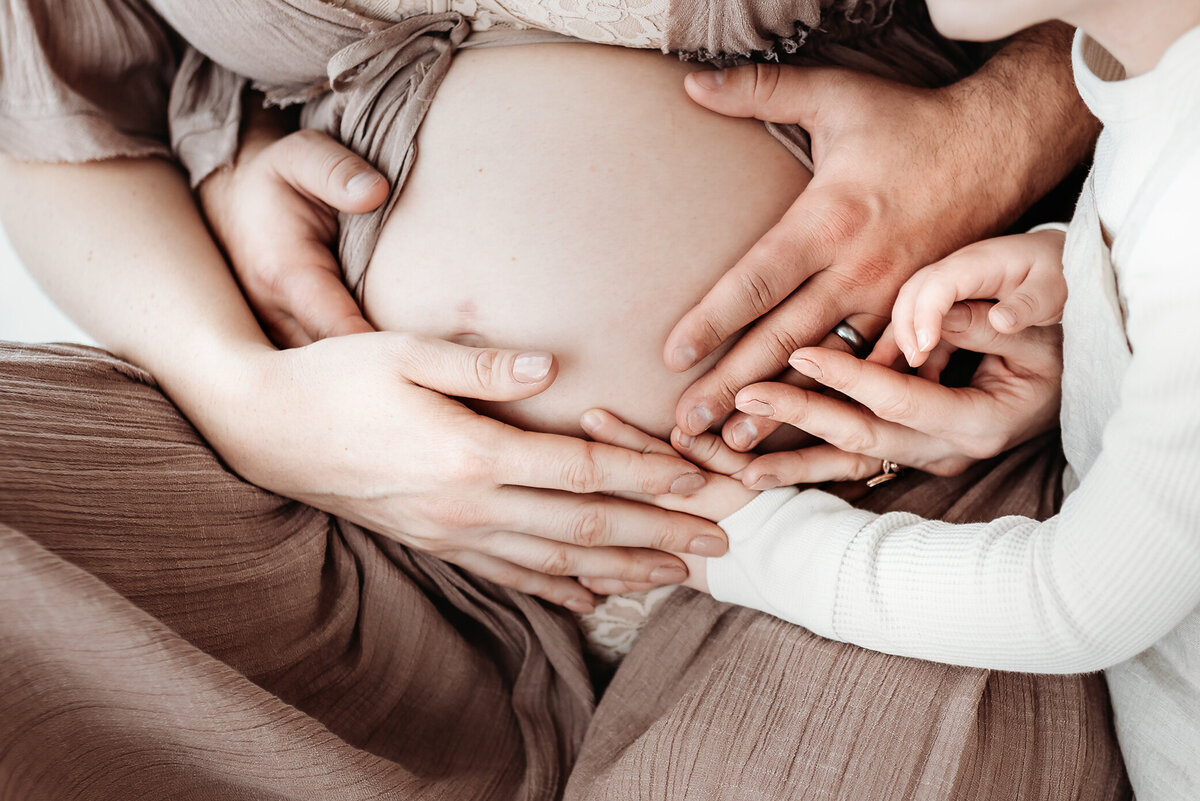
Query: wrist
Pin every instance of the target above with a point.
(1024, 118)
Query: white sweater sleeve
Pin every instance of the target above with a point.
(1099, 583)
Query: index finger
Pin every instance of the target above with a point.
(781, 260)
(911, 401)
(804, 318)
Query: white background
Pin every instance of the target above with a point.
(26, 314)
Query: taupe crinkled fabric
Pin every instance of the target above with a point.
(169, 631)
(368, 82)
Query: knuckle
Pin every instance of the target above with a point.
(844, 217)
(449, 513)
(948, 468)
(556, 562)
(335, 165)
(1024, 304)
(859, 439)
(460, 466)
(589, 526)
(509, 576)
(582, 474)
(712, 331)
(264, 275)
(669, 538)
(705, 450)
(981, 446)
(767, 79)
(853, 470)
(901, 406)
(757, 293)
(485, 366)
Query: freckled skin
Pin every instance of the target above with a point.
(593, 229)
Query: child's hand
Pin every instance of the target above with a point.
(1022, 272)
(722, 494)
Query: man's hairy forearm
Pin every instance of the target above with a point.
(1024, 97)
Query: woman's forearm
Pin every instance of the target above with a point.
(122, 248)
(359, 426)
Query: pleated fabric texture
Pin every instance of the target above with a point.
(115, 81)
(169, 631)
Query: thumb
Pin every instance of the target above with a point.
(967, 326)
(1025, 308)
(322, 168)
(769, 92)
(494, 374)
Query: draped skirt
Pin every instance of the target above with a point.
(168, 631)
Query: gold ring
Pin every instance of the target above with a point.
(888, 470)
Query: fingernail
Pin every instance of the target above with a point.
(579, 607)
(699, 419)
(766, 482)
(924, 341)
(531, 367)
(756, 407)
(709, 79)
(805, 366)
(742, 434)
(590, 421)
(361, 184)
(686, 441)
(707, 546)
(683, 357)
(687, 484)
(1007, 317)
(668, 575)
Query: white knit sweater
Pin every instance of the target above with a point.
(1113, 581)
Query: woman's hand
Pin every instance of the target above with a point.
(1013, 396)
(903, 177)
(391, 452)
(275, 214)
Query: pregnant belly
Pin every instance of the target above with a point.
(571, 198)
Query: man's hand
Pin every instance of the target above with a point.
(903, 177)
(275, 214)
(1014, 395)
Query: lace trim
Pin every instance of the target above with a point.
(611, 630)
(629, 23)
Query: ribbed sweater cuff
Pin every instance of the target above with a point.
(785, 551)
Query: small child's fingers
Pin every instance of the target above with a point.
(969, 327)
(938, 294)
(606, 427)
(1035, 303)
(710, 452)
(901, 328)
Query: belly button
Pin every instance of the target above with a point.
(468, 339)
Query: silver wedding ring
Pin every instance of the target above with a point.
(887, 471)
(854, 340)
